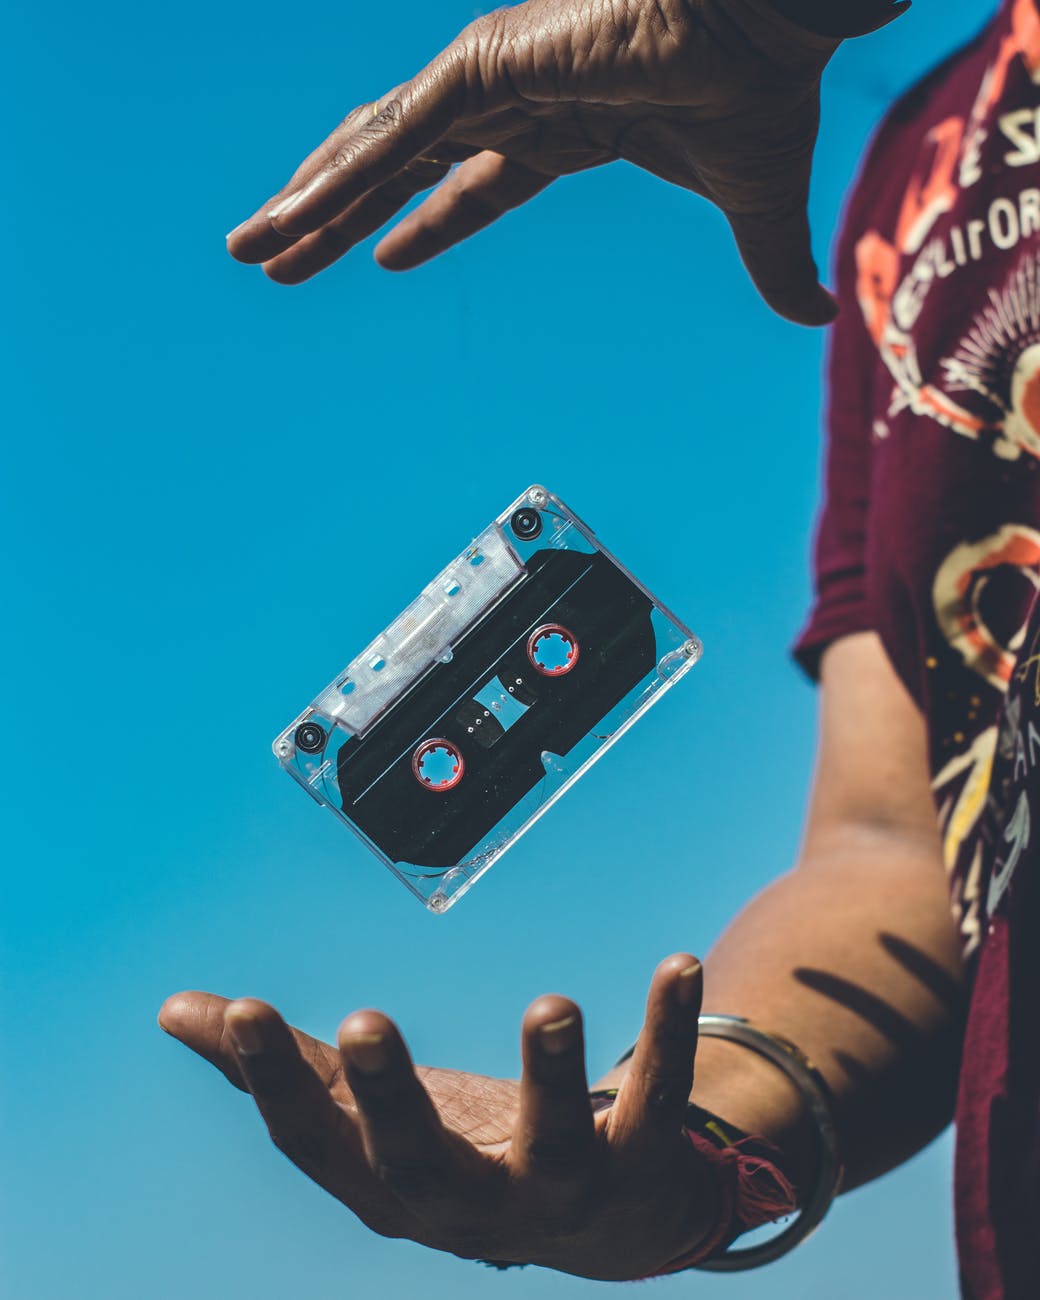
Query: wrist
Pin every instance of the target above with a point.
(753, 1096)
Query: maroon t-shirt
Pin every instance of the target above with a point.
(930, 535)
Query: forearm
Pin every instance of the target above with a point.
(853, 956)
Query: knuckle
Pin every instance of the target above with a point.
(389, 114)
(484, 43)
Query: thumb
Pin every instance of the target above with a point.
(775, 245)
(776, 249)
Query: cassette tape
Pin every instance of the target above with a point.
(512, 672)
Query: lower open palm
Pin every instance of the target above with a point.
(484, 1168)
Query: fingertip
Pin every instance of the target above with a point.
(682, 976)
(392, 255)
(284, 275)
(676, 964)
(174, 1009)
(252, 1008)
(802, 300)
(256, 241)
(827, 306)
(368, 1041)
(237, 242)
(548, 1008)
(553, 1025)
(188, 1011)
(365, 1022)
(254, 1026)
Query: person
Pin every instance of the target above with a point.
(925, 637)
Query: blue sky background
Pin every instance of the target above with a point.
(218, 490)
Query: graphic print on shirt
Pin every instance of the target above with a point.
(1010, 803)
(971, 202)
(891, 303)
(999, 360)
(1005, 567)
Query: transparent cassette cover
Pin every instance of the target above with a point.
(510, 674)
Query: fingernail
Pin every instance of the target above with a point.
(368, 1052)
(283, 209)
(556, 1036)
(245, 1033)
(687, 984)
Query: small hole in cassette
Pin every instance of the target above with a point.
(452, 588)
(552, 650)
(347, 687)
(377, 663)
(476, 559)
(437, 765)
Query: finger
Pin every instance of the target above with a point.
(555, 1133)
(301, 1116)
(197, 1020)
(651, 1105)
(854, 18)
(775, 245)
(372, 150)
(255, 239)
(313, 253)
(476, 194)
(404, 1142)
(763, 189)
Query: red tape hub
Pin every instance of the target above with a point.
(552, 650)
(437, 765)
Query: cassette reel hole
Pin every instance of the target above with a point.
(437, 765)
(552, 650)
(310, 738)
(526, 524)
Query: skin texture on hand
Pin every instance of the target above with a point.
(484, 1168)
(720, 97)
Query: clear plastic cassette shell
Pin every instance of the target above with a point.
(511, 673)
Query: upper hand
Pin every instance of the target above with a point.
(720, 97)
(484, 1168)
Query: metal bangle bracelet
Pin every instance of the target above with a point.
(810, 1084)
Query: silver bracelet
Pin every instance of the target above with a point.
(809, 1082)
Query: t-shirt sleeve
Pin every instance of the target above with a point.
(840, 605)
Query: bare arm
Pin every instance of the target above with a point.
(853, 954)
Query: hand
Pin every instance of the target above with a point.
(484, 1168)
(720, 97)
